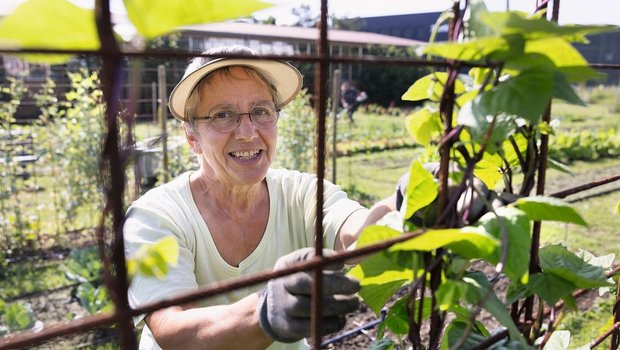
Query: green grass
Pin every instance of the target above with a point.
(586, 326)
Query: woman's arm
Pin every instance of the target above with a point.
(360, 219)
(233, 326)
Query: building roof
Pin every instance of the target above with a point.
(272, 32)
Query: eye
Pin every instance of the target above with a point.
(261, 112)
(223, 115)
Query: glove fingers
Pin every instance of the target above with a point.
(305, 254)
(300, 327)
(340, 305)
(332, 324)
(333, 283)
(300, 306)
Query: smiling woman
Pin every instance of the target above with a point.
(236, 216)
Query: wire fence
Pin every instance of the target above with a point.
(110, 233)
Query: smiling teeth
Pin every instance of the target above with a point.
(245, 155)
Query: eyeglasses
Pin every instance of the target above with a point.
(226, 118)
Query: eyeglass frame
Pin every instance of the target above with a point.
(209, 117)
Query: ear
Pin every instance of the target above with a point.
(192, 138)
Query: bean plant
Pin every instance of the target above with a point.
(482, 202)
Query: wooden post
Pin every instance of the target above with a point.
(163, 116)
(335, 104)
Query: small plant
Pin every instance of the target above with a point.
(16, 317)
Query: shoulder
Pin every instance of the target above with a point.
(290, 179)
(166, 199)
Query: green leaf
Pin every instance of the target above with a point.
(382, 344)
(153, 18)
(618, 208)
(563, 90)
(469, 242)
(50, 24)
(539, 208)
(476, 292)
(375, 233)
(550, 287)
(488, 171)
(514, 22)
(152, 260)
(455, 331)
(526, 95)
(376, 295)
(512, 227)
(565, 57)
(423, 125)
(421, 190)
(559, 261)
(559, 340)
(397, 318)
(479, 125)
(431, 87)
(483, 49)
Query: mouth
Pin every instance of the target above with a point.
(245, 155)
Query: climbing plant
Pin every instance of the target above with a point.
(482, 201)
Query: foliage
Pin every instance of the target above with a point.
(16, 317)
(68, 26)
(492, 132)
(585, 145)
(84, 265)
(296, 136)
(153, 260)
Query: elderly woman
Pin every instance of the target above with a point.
(236, 216)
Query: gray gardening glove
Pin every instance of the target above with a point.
(284, 307)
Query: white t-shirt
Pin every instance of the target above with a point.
(171, 210)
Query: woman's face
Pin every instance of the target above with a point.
(242, 156)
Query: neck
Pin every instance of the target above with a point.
(232, 199)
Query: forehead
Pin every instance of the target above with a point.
(234, 84)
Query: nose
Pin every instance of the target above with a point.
(245, 128)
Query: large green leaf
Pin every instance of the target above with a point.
(51, 24)
(539, 208)
(153, 18)
(421, 190)
(375, 233)
(431, 87)
(483, 49)
(559, 261)
(514, 22)
(526, 95)
(376, 295)
(469, 242)
(423, 125)
(565, 57)
(563, 90)
(382, 273)
(512, 227)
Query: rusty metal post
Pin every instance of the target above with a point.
(113, 174)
